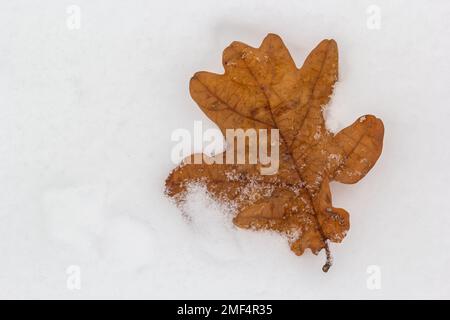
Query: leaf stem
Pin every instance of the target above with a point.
(329, 261)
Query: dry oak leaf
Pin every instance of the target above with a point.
(263, 89)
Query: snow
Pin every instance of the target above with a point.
(86, 117)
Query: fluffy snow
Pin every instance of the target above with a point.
(86, 117)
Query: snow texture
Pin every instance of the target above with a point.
(86, 116)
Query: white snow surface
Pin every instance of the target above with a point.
(86, 117)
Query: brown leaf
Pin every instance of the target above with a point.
(263, 89)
